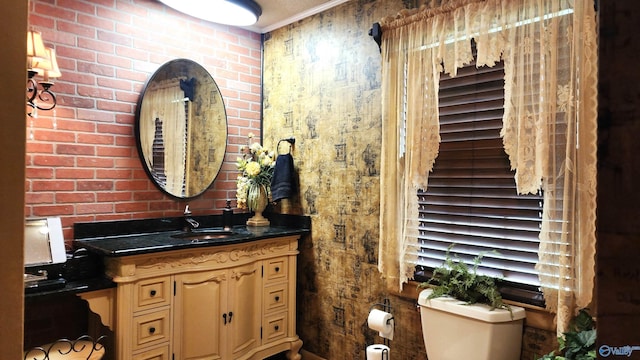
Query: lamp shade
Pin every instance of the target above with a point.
(36, 51)
(54, 72)
(229, 12)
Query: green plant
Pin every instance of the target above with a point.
(579, 343)
(456, 279)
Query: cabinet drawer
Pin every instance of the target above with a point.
(275, 327)
(152, 328)
(275, 297)
(161, 353)
(276, 269)
(152, 293)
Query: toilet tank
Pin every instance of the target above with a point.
(453, 330)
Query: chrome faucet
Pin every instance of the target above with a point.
(191, 223)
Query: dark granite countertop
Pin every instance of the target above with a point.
(134, 237)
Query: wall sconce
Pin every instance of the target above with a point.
(42, 62)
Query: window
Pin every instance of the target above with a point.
(472, 200)
(549, 129)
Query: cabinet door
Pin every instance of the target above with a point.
(245, 300)
(200, 303)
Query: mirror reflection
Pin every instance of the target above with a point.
(181, 128)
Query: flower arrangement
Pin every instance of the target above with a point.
(256, 170)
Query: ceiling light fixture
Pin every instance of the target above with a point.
(229, 12)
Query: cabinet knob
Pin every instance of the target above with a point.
(152, 293)
(224, 316)
(277, 268)
(277, 298)
(276, 327)
(230, 316)
(152, 330)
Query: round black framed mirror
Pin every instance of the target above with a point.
(181, 128)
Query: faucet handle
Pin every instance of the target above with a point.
(186, 210)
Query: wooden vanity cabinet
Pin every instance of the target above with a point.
(219, 302)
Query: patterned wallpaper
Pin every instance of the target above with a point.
(322, 86)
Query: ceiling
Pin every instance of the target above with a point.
(279, 13)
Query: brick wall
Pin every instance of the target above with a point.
(82, 163)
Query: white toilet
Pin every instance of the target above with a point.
(455, 331)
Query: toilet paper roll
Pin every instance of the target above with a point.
(382, 322)
(378, 352)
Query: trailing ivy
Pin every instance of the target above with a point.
(579, 343)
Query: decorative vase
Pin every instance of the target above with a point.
(257, 202)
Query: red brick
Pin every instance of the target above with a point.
(86, 185)
(125, 119)
(115, 129)
(75, 125)
(95, 92)
(75, 149)
(82, 6)
(52, 210)
(114, 106)
(114, 84)
(75, 173)
(125, 141)
(148, 195)
(132, 9)
(94, 72)
(53, 185)
(75, 197)
(74, 28)
(95, 69)
(117, 61)
(131, 53)
(39, 198)
(113, 174)
(115, 196)
(131, 207)
(162, 205)
(53, 160)
(41, 148)
(96, 45)
(114, 151)
(133, 185)
(113, 217)
(38, 173)
(96, 115)
(76, 101)
(125, 96)
(94, 162)
(95, 139)
(113, 14)
(131, 75)
(95, 208)
(53, 136)
(114, 38)
(38, 21)
(55, 12)
(96, 22)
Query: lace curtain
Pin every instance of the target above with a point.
(165, 102)
(549, 126)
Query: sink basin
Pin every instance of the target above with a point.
(199, 235)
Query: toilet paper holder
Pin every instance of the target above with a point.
(386, 307)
